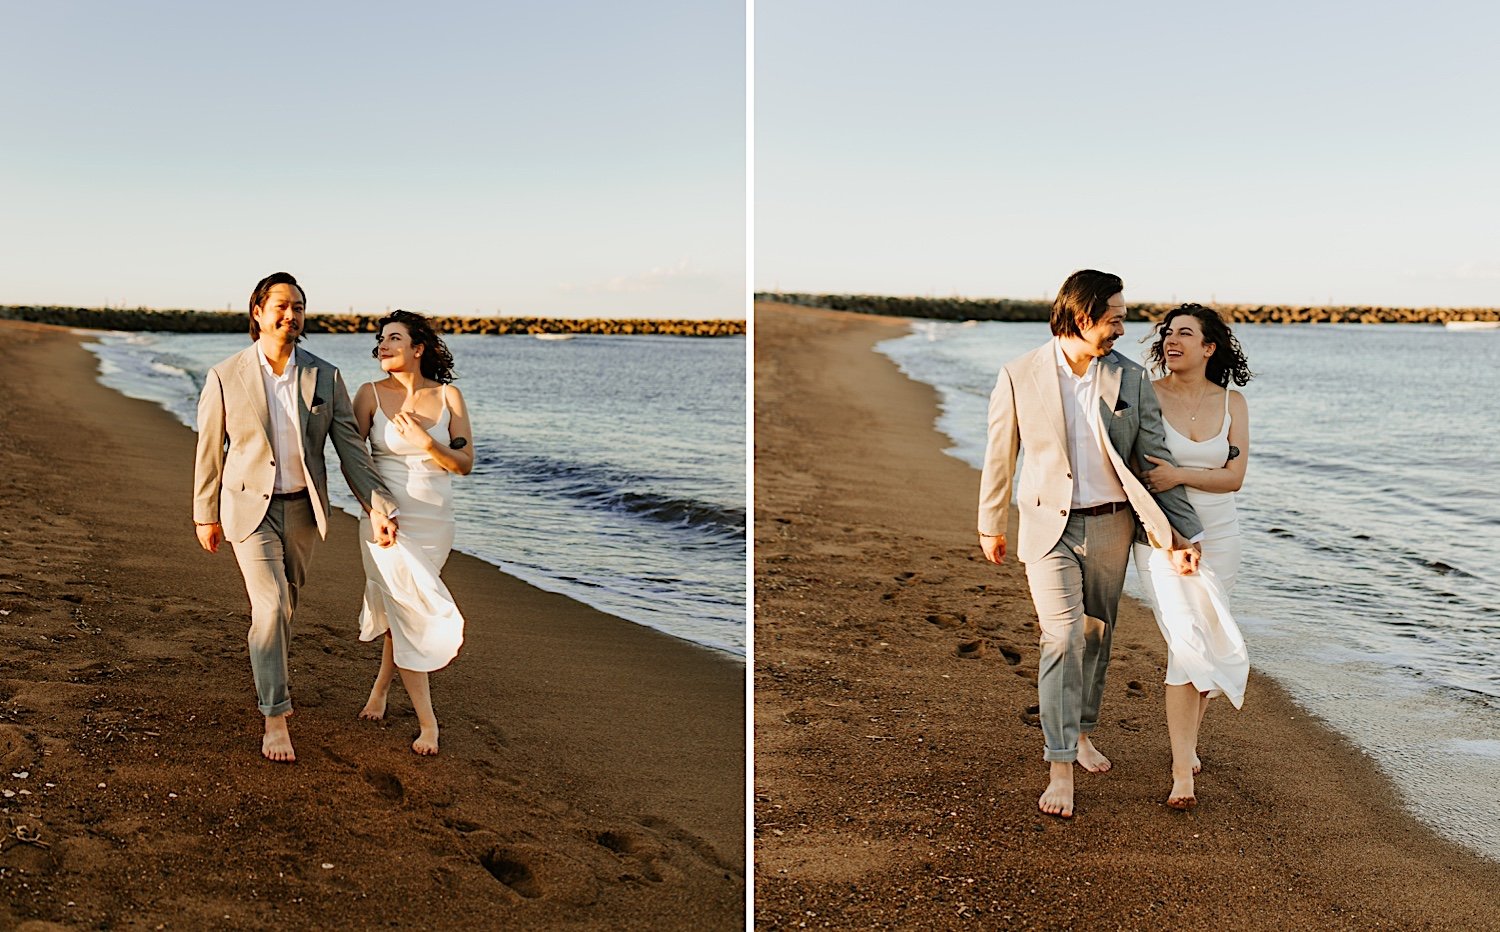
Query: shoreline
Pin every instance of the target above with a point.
(125, 380)
(897, 763)
(125, 699)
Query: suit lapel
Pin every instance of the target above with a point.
(307, 380)
(255, 388)
(1049, 391)
(1110, 374)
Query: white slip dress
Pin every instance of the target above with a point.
(1204, 645)
(404, 593)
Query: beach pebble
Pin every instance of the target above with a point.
(22, 774)
(174, 795)
(7, 793)
(326, 865)
(101, 786)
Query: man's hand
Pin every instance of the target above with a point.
(1185, 561)
(993, 547)
(385, 529)
(209, 536)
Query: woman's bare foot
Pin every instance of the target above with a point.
(1197, 765)
(374, 709)
(277, 744)
(1089, 757)
(1057, 799)
(1182, 796)
(427, 742)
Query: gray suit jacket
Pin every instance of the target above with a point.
(1026, 413)
(235, 473)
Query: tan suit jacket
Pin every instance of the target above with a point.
(235, 472)
(1026, 414)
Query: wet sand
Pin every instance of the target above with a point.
(591, 774)
(897, 755)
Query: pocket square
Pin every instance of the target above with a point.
(1121, 405)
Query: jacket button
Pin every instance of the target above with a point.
(266, 497)
(1064, 512)
(273, 463)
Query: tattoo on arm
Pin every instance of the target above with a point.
(1233, 451)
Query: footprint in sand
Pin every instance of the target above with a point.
(685, 839)
(1032, 716)
(1011, 655)
(339, 759)
(532, 872)
(506, 867)
(17, 751)
(635, 850)
(385, 783)
(970, 650)
(462, 826)
(948, 619)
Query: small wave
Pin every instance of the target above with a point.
(611, 489)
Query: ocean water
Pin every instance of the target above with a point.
(610, 469)
(1370, 586)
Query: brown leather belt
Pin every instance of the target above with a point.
(1108, 508)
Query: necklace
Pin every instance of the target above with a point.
(1201, 395)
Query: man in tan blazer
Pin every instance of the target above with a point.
(260, 482)
(1085, 418)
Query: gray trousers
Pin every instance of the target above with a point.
(274, 562)
(1076, 589)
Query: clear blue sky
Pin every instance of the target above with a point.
(519, 156)
(1262, 152)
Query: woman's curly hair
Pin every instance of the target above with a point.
(1227, 362)
(437, 361)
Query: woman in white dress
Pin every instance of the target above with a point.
(1208, 433)
(419, 434)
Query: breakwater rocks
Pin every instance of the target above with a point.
(238, 322)
(1017, 310)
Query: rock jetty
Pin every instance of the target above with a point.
(177, 321)
(1011, 309)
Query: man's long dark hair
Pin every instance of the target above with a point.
(263, 288)
(1085, 294)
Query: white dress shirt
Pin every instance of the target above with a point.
(1094, 479)
(286, 425)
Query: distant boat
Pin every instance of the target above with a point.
(1472, 324)
(553, 336)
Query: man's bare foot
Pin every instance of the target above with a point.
(277, 744)
(1182, 794)
(427, 742)
(1058, 798)
(1089, 757)
(374, 709)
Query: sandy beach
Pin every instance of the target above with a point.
(591, 774)
(897, 754)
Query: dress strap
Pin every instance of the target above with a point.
(1225, 429)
